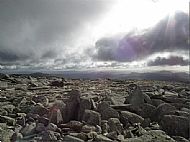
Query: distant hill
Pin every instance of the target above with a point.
(121, 75)
(159, 75)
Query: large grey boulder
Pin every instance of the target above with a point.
(88, 128)
(75, 125)
(9, 108)
(162, 110)
(151, 136)
(157, 102)
(136, 97)
(115, 125)
(39, 109)
(69, 138)
(175, 125)
(129, 117)
(85, 103)
(57, 83)
(29, 129)
(92, 117)
(41, 99)
(146, 110)
(48, 136)
(106, 111)
(40, 127)
(56, 116)
(102, 138)
(72, 106)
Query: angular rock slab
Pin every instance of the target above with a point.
(72, 106)
(85, 103)
(152, 136)
(115, 125)
(176, 125)
(162, 110)
(136, 97)
(106, 111)
(92, 117)
(131, 117)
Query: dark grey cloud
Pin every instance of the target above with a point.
(170, 34)
(29, 29)
(170, 61)
(106, 49)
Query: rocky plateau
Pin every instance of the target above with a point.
(49, 108)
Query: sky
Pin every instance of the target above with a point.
(94, 34)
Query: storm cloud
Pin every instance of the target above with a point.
(32, 29)
(170, 34)
(170, 61)
(45, 34)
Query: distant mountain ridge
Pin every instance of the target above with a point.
(121, 75)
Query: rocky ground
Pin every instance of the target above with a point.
(36, 109)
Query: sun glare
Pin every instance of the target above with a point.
(127, 15)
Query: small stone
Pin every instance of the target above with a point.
(147, 99)
(104, 126)
(40, 127)
(39, 109)
(3, 112)
(9, 108)
(92, 135)
(16, 137)
(29, 129)
(52, 127)
(17, 128)
(112, 135)
(146, 123)
(102, 138)
(75, 125)
(98, 129)
(179, 139)
(128, 134)
(41, 99)
(21, 121)
(82, 136)
(115, 125)
(88, 129)
(155, 126)
(49, 136)
(186, 110)
(43, 120)
(8, 120)
(66, 130)
(57, 83)
(120, 137)
(31, 116)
